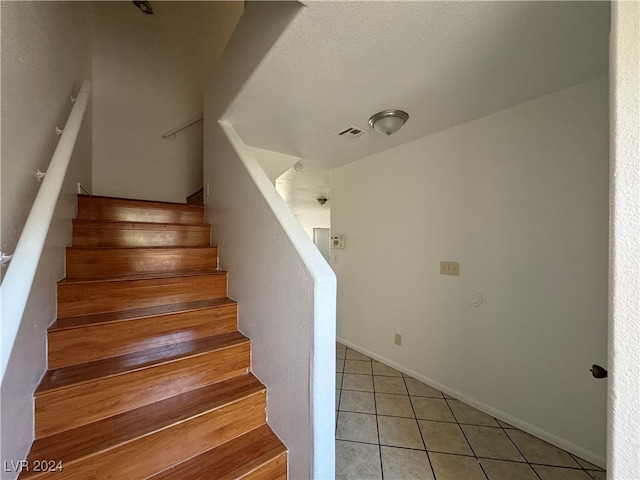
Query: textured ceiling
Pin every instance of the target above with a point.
(445, 63)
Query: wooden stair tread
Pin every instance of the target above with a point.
(125, 315)
(140, 276)
(109, 208)
(137, 200)
(233, 459)
(105, 434)
(107, 233)
(75, 374)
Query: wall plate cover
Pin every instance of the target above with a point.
(337, 241)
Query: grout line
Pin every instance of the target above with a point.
(375, 409)
(415, 417)
(504, 430)
(465, 437)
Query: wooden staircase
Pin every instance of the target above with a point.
(148, 376)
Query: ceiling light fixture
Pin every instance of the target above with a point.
(388, 121)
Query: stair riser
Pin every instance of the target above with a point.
(85, 344)
(86, 298)
(98, 234)
(156, 452)
(73, 406)
(95, 263)
(115, 209)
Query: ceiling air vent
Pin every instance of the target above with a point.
(351, 133)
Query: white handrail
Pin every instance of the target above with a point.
(17, 282)
(182, 127)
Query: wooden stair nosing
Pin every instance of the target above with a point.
(121, 365)
(82, 321)
(234, 459)
(138, 276)
(95, 341)
(149, 454)
(110, 432)
(83, 297)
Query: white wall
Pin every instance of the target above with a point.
(519, 198)
(273, 163)
(46, 54)
(285, 290)
(624, 326)
(149, 73)
(314, 218)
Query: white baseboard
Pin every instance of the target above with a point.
(581, 452)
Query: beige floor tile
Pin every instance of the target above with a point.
(352, 381)
(357, 366)
(444, 437)
(403, 464)
(340, 346)
(361, 402)
(384, 370)
(353, 355)
(339, 365)
(393, 385)
(341, 354)
(337, 397)
(338, 380)
(399, 432)
(597, 474)
(559, 473)
(357, 461)
(491, 442)
(539, 451)
(455, 467)
(357, 427)
(501, 470)
(427, 408)
(394, 405)
(470, 416)
(418, 389)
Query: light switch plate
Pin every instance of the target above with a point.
(450, 268)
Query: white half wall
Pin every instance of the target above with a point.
(624, 326)
(46, 54)
(285, 289)
(520, 199)
(149, 73)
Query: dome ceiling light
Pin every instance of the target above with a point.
(389, 121)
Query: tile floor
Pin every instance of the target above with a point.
(391, 426)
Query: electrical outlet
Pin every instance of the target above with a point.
(450, 268)
(398, 339)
